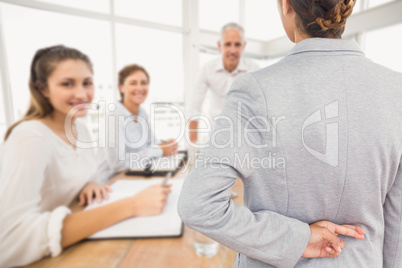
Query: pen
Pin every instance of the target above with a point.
(166, 179)
(148, 166)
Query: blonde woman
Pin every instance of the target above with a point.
(43, 171)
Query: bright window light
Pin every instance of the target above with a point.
(384, 46)
(214, 14)
(160, 52)
(374, 3)
(205, 57)
(3, 125)
(26, 30)
(161, 11)
(262, 20)
(91, 5)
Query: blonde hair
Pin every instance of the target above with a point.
(43, 64)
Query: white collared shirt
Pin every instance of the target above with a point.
(213, 84)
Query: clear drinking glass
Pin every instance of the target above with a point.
(205, 246)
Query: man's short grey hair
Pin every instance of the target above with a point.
(232, 26)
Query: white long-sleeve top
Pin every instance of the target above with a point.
(40, 175)
(125, 137)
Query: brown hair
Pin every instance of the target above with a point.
(42, 66)
(127, 71)
(322, 18)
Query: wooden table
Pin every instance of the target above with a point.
(147, 253)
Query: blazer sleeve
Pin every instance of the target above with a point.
(392, 250)
(205, 204)
(27, 234)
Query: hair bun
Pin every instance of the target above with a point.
(323, 18)
(336, 16)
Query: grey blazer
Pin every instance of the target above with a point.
(316, 136)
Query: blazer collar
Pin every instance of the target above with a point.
(327, 45)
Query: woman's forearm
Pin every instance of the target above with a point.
(80, 225)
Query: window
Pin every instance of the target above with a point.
(262, 20)
(358, 6)
(168, 123)
(374, 3)
(160, 11)
(26, 30)
(214, 14)
(160, 53)
(384, 46)
(3, 124)
(92, 5)
(207, 56)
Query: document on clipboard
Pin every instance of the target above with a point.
(166, 224)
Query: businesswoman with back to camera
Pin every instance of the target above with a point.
(333, 119)
(133, 134)
(43, 170)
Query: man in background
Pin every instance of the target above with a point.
(217, 75)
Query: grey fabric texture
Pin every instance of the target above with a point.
(316, 136)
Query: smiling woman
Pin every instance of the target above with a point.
(52, 92)
(133, 86)
(70, 76)
(43, 172)
(134, 134)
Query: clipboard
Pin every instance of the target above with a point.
(168, 224)
(160, 166)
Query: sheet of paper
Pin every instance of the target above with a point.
(166, 224)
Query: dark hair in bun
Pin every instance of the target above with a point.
(323, 18)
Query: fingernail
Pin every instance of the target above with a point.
(339, 249)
